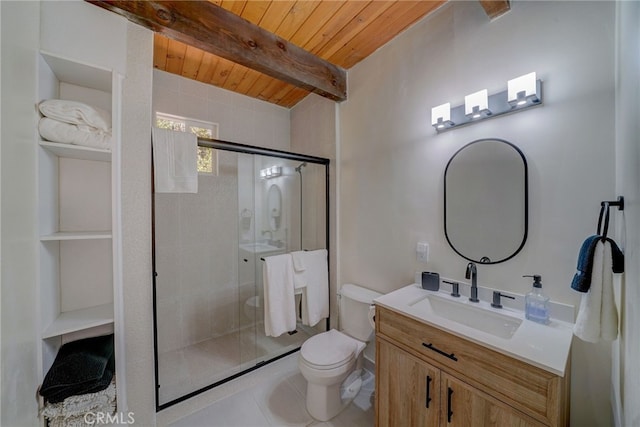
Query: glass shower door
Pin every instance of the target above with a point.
(290, 201)
(199, 330)
(209, 252)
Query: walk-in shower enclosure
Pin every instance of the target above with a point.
(208, 254)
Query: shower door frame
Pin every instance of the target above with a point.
(244, 149)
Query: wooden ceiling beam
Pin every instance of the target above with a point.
(495, 8)
(213, 29)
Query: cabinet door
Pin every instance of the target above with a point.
(465, 406)
(407, 389)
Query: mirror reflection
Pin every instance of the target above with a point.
(274, 207)
(485, 206)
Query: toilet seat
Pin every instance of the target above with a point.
(330, 350)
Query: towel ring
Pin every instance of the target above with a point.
(618, 203)
(602, 208)
(604, 211)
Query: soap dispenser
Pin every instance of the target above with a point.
(536, 303)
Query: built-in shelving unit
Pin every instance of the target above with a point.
(78, 218)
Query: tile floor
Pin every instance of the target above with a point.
(278, 400)
(191, 368)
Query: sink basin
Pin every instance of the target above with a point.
(503, 330)
(259, 247)
(479, 318)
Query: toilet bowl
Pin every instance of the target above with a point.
(331, 361)
(325, 361)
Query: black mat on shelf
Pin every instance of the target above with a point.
(80, 367)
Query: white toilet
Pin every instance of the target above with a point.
(331, 362)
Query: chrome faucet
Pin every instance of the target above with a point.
(472, 273)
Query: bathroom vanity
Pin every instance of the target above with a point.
(431, 371)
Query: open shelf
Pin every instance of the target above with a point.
(76, 235)
(81, 74)
(76, 151)
(78, 320)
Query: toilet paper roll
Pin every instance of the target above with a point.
(372, 316)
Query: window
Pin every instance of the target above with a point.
(207, 161)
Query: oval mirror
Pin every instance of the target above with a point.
(274, 207)
(486, 201)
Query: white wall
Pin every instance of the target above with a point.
(392, 161)
(20, 39)
(627, 349)
(83, 32)
(241, 119)
(1, 374)
(313, 132)
(136, 224)
(197, 283)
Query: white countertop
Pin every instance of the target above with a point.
(544, 346)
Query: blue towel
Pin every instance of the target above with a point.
(582, 279)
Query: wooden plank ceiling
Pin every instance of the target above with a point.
(340, 32)
(274, 50)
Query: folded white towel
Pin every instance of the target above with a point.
(298, 267)
(279, 299)
(315, 281)
(298, 260)
(76, 113)
(55, 131)
(597, 318)
(175, 161)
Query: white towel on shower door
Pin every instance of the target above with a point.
(279, 299)
(315, 281)
(175, 161)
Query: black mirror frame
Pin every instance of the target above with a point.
(526, 201)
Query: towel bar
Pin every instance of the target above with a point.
(262, 259)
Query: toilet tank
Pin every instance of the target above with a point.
(354, 310)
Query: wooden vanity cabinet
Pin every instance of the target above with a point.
(428, 377)
(407, 388)
(467, 406)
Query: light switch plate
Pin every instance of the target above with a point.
(422, 252)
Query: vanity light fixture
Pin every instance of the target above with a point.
(271, 172)
(476, 105)
(441, 116)
(522, 92)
